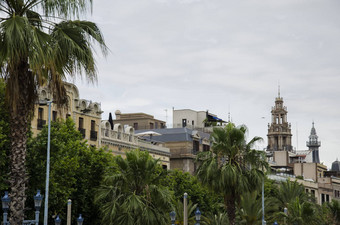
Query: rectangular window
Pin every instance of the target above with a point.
(54, 115)
(184, 122)
(195, 146)
(206, 148)
(151, 125)
(156, 125)
(81, 122)
(135, 126)
(93, 125)
(40, 113)
(313, 193)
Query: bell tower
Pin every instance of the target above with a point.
(313, 144)
(279, 131)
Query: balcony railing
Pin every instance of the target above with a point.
(40, 123)
(82, 131)
(93, 135)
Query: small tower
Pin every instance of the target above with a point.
(313, 144)
(279, 131)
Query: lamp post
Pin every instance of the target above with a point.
(57, 220)
(173, 217)
(5, 207)
(47, 163)
(80, 220)
(37, 204)
(275, 223)
(285, 210)
(198, 216)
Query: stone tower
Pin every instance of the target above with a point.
(279, 131)
(313, 144)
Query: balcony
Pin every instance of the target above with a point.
(40, 123)
(82, 131)
(93, 135)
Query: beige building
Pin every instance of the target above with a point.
(122, 139)
(195, 120)
(85, 113)
(138, 121)
(184, 144)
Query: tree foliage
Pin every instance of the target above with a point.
(232, 167)
(40, 44)
(76, 170)
(134, 195)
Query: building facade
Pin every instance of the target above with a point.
(122, 139)
(196, 120)
(138, 121)
(184, 145)
(85, 113)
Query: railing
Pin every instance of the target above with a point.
(115, 135)
(93, 135)
(40, 123)
(82, 131)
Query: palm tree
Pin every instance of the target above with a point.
(179, 209)
(39, 45)
(232, 167)
(289, 191)
(216, 219)
(134, 196)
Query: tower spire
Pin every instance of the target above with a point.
(279, 90)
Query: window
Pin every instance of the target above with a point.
(313, 192)
(165, 167)
(184, 122)
(206, 148)
(54, 116)
(156, 125)
(135, 126)
(81, 122)
(192, 123)
(195, 146)
(151, 125)
(40, 122)
(40, 113)
(93, 133)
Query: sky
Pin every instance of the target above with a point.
(223, 56)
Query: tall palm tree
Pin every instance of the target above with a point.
(134, 196)
(289, 191)
(40, 44)
(232, 167)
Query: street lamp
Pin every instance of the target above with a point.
(275, 223)
(173, 217)
(37, 204)
(38, 200)
(80, 220)
(5, 206)
(57, 221)
(198, 216)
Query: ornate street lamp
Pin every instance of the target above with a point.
(5, 206)
(198, 216)
(275, 223)
(173, 217)
(80, 220)
(5, 202)
(38, 200)
(57, 221)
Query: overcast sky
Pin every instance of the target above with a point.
(222, 55)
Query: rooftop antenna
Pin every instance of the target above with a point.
(166, 116)
(228, 113)
(279, 89)
(297, 137)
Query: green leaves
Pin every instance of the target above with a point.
(134, 194)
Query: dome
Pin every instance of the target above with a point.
(118, 112)
(336, 166)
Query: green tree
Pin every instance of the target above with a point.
(288, 192)
(76, 171)
(40, 44)
(180, 182)
(133, 195)
(4, 139)
(215, 219)
(232, 167)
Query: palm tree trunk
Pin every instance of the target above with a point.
(20, 115)
(229, 202)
